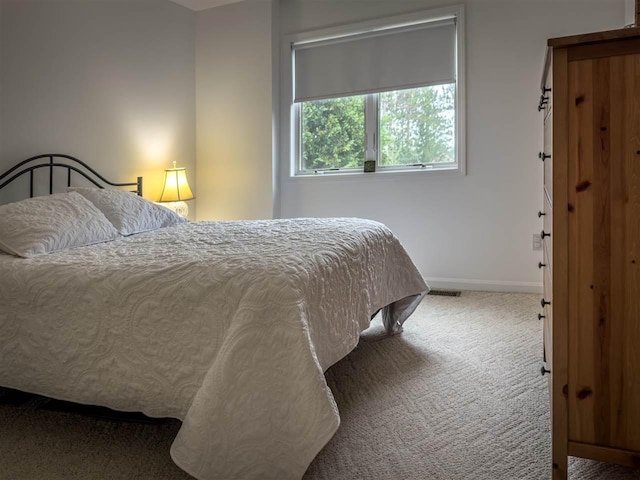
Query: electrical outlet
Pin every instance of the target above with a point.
(537, 242)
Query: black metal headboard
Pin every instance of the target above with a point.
(57, 160)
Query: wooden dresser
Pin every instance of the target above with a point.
(590, 101)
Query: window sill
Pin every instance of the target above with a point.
(359, 175)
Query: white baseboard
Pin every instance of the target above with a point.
(484, 285)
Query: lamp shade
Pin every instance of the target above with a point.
(176, 187)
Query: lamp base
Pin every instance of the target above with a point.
(181, 208)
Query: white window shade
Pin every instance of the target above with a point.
(386, 60)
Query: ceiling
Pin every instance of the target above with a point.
(203, 4)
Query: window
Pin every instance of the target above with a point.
(388, 91)
(417, 127)
(332, 134)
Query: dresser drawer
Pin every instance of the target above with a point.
(545, 101)
(547, 311)
(548, 110)
(547, 227)
(547, 265)
(548, 107)
(547, 92)
(548, 162)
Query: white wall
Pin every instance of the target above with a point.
(111, 82)
(629, 12)
(234, 90)
(472, 231)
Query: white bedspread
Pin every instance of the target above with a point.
(228, 326)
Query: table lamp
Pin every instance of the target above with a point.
(176, 190)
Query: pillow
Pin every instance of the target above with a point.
(128, 212)
(40, 225)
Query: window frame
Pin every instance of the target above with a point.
(291, 132)
(297, 158)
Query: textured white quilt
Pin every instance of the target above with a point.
(228, 326)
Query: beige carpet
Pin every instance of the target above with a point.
(457, 396)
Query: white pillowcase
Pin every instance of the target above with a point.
(41, 225)
(129, 212)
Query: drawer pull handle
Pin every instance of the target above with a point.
(543, 100)
(544, 370)
(540, 316)
(544, 234)
(543, 302)
(540, 264)
(540, 214)
(543, 156)
(545, 90)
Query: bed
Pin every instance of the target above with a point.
(227, 326)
